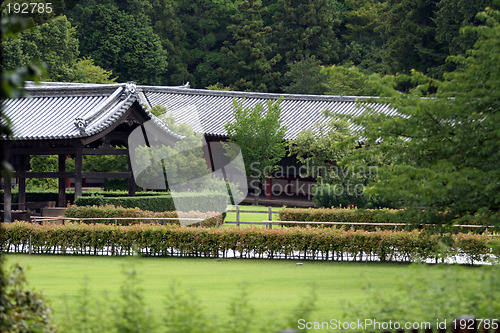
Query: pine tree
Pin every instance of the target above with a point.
(250, 55)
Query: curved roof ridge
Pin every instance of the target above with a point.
(259, 95)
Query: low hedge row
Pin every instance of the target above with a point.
(109, 211)
(52, 195)
(340, 215)
(361, 216)
(203, 202)
(298, 243)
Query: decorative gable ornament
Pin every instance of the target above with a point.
(130, 89)
(81, 124)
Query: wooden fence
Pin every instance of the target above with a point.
(268, 223)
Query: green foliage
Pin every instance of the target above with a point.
(250, 53)
(205, 24)
(305, 77)
(52, 43)
(52, 195)
(347, 81)
(131, 313)
(85, 71)
(259, 136)
(408, 31)
(362, 36)
(298, 243)
(120, 38)
(347, 214)
(307, 28)
(42, 163)
(23, 310)
(183, 313)
(447, 296)
(218, 86)
(86, 313)
(450, 17)
(445, 148)
(203, 201)
(184, 162)
(326, 152)
(110, 211)
(353, 214)
(166, 23)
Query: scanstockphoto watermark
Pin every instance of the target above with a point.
(314, 171)
(298, 187)
(362, 324)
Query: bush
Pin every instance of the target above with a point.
(203, 202)
(52, 195)
(110, 211)
(447, 296)
(22, 309)
(183, 313)
(293, 243)
(328, 196)
(370, 216)
(341, 215)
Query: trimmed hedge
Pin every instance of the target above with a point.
(361, 216)
(52, 195)
(340, 215)
(109, 211)
(293, 243)
(203, 202)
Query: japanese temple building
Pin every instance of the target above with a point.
(94, 119)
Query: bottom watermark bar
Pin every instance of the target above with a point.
(364, 324)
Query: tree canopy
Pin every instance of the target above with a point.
(447, 148)
(259, 134)
(250, 44)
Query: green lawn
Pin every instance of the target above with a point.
(274, 286)
(251, 217)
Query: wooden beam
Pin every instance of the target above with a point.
(131, 180)
(7, 195)
(46, 174)
(106, 150)
(46, 150)
(21, 197)
(78, 171)
(61, 198)
(104, 175)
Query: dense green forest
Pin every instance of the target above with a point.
(315, 46)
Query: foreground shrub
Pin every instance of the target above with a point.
(110, 211)
(293, 243)
(450, 294)
(184, 313)
(21, 309)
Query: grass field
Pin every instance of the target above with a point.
(251, 217)
(274, 286)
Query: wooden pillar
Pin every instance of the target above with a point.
(78, 171)
(61, 199)
(269, 188)
(22, 182)
(7, 196)
(131, 180)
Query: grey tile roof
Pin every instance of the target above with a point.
(207, 111)
(52, 108)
